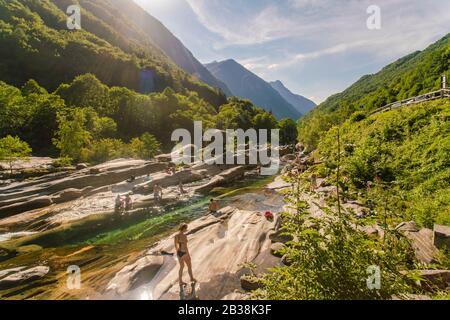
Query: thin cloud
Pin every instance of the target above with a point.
(307, 43)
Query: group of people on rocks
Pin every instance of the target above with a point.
(171, 169)
(123, 204)
(158, 191)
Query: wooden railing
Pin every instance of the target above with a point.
(443, 93)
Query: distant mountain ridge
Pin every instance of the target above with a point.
(245, 84)
(302, 104)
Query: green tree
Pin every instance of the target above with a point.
(288, 132)
(105, 150)
(236, 114)
(72, 135)
(87, 91)
(12, 149)
(99, 127)
(264, 120)
(313, 126)
(32, 87)
(146, 146)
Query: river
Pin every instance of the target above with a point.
(104, 251)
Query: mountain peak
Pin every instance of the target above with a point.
(300, 103)
(230, 61)
(245, 84)
(278, 82)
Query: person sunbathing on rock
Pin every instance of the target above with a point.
(184, 258)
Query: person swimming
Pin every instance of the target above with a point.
(184, 257)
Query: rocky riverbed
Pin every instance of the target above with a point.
(220, 246)
(55, 222)
(58, 220)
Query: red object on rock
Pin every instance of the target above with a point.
(268, 215)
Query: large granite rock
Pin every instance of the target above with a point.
(435, 279)
(223, 178)
(441, 236)
(356, 208)
(249, 284)
(219, 246)
(167, 180)
(373, 231)
(136, 274)
(34, 203)
(279, 183)
(275, 249)
(236, 295)
(29, 195)
(421, 241)
(110, 173)
(279, 236)
(288, 158)
(71, 194)
(409, 226)
(18, 276)
(81, 166)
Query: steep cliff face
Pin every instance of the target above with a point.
(168, 43)
(35, 43)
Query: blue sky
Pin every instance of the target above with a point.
(315, 47)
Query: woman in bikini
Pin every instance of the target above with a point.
(181, 246)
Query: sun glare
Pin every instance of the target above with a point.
(155, 4)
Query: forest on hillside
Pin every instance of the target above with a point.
(89, 121)
(410, 76)
(123, 95)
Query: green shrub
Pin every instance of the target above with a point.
(62, 162)
(333, 261)
(106, 149)
(12, 149)
(408, 149)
